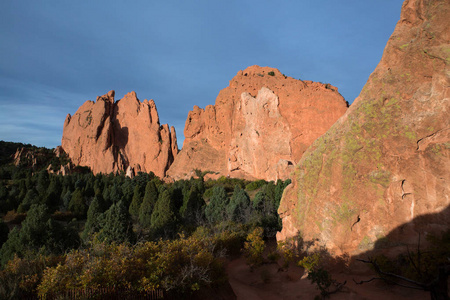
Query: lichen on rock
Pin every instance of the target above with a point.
(379, 163)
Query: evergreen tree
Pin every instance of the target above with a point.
(176, 194)
(77, 204)
(239, 207)
(31, 198)
(193, 204)
(148, 203)
(141, 179)
(115, 194)
(106, 194)
(98, 186)
(263, 204)
(60, 237)
(265, 213)
(117, 226)
(42, 183)
(11, 247)
(94, 215)
(136, 202)
(38, 232)
(163, 217)
(22, 189)
(215, 211)
(66, 199)
(127, 189)
(279, 190)
(52, 198)
(34, 232)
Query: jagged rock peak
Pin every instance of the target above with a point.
(259, 126)
(110, 136)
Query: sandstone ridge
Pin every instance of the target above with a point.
(259, 126)
(125, 135)
(387, 160)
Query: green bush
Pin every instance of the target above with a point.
(255, 185)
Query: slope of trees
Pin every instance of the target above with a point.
(46, 215)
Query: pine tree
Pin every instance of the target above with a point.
(52, 198)
(136, 202)
(265, 212)
(127, 189)
(238, 208)
(31, 198)
(163, 221)
(77, 204)
(38, 232)
(279, 190)
(94, 214)
(193, 203)
(215, 211)
(117, 226)
(42, 183)
(115, 194)
(66, 199)
(148, 204)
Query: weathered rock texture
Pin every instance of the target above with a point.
(259, 127)
(387, 160)
(110, 136)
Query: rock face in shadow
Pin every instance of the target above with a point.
(125, 135)
(387, 160)
(259, 127)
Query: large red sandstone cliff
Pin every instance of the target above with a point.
(387, 160)
(110, 136)
(259, 126)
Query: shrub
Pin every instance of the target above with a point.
(21, 276)
(255, 185)
(271, 73)
(181, 266)
(254, 247)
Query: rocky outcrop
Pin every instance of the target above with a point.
(25, 156)
(110, 136)
(259, 126)
(32, 157)
(387, 160)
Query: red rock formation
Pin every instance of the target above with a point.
(110, 136)
(259, 127)
(387, 160)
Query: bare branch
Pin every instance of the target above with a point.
(388, 280)
(379, 271)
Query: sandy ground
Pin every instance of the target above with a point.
(270, 282)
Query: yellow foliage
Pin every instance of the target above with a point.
(184, 264)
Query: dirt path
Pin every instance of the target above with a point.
(270, 282)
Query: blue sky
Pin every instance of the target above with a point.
(55, 55)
